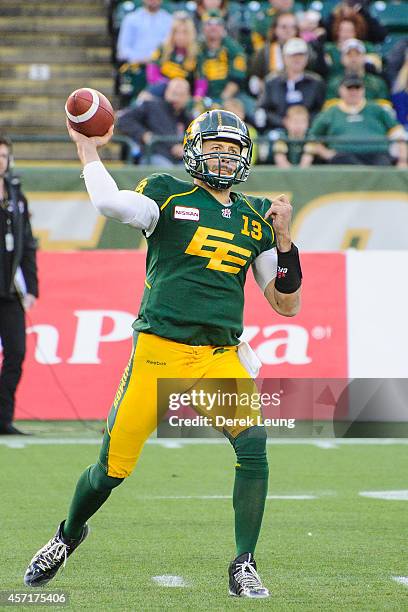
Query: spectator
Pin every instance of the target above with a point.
(240, 24)
(400, 93)
(177, 57)
(265, 19)
(395, 59)
(343, 29)
(315, 36)
(204, 6)
(157, 117)
(309, 25)
(355, 121)
(235, 105)
(221, 64)
(141, 33)
(18, 284)
(294, 86)
(356, 10)
(296, 124)
(353, 61)
(269, 59)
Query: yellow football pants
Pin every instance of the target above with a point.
(135, 411)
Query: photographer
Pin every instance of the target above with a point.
(18, 284)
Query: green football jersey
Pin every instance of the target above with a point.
(197, 261)
(218, 67)
(355, 129)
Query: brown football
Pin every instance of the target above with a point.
(89, 112)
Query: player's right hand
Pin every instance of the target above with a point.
(97, 141)
(87, 147)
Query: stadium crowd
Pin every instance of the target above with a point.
(323, 83)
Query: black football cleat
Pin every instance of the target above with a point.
(47, 561)
(244, 580)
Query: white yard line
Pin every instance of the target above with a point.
(324, 443)
(177, 497)
(22, 442)
(170, 581)
(401, 580)
(399, 495)
(317, 442)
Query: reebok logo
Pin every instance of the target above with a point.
(159, 363)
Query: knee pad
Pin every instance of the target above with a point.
(99, 481)
(250, 449)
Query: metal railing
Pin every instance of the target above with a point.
(267, 140)
(126, 142)
(129, 145)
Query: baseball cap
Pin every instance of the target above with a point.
(213, 16)
(352, 80)
(294, 46)
(353, 43)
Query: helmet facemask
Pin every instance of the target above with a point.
(197, 162)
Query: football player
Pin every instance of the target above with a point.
(202, 238)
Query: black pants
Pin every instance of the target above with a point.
(13, 339)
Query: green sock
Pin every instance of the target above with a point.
(92, 490)
(250, 488)
(249, 502)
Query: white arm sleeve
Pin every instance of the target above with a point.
(124, 205)
(265, 267)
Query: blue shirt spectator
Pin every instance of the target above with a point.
(142, 32)
(400, 92)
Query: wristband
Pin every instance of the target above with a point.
(289, 276)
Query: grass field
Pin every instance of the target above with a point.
(336, 550)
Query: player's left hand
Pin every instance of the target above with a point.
(28, 301)
(281, 213)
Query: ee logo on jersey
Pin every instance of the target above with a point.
(218, 251)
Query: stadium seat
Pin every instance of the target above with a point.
(188, 6)
(383, 48)
(254, 6)
(127, 6)
(324, 8)
(394, 15)
(122, 9)
(171, 7)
